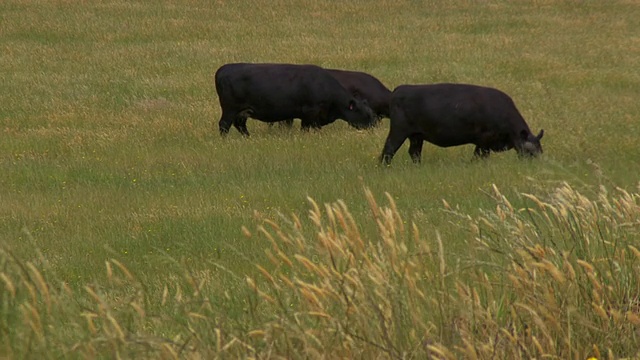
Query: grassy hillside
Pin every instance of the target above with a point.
(110, 156)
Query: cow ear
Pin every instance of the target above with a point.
(352, 104)
(540, 135)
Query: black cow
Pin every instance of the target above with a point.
(364, 87)
(276, 92)
(456, 114)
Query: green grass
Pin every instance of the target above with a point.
(109, 146)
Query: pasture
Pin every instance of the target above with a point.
(122, 217)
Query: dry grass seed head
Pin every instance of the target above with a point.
(139, 309)
(586, 266)
(102, 306)
(116, 327)
(568, 268)
(266, 275)
(554, 271)
(246, 232)
(286, 280)
(441, 351)
(168, 352)
(32, 318)
(274, 261)
(269, 237)
(109, 272)
(314, 214)
(538, 346)
(165, 295)
(635, 251)
(375, 209)
(284, 258)
(599, 310)
(308, 264)
(8, 284)
(595, 282)
(123, 268)
(633, 317)
(89, 316)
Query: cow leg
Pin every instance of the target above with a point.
(391, 146)
(314, 117)
(287, 123)
(481, 153)
(307, 124)
(415, 147)
(226, 120)
(240, 123)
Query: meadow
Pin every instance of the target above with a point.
(129, 228)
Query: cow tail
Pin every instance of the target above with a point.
(221, 82)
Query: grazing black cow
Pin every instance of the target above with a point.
(276, 92)
(364, 87)
(456, 114)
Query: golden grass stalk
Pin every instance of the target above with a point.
(123, 268)
(42, 286)
(8, 284)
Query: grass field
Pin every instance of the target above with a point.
(123, 208)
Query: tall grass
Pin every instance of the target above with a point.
(559, 278)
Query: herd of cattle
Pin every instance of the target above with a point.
(442, 114)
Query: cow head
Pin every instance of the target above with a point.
(530, 144)
(358, 114)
